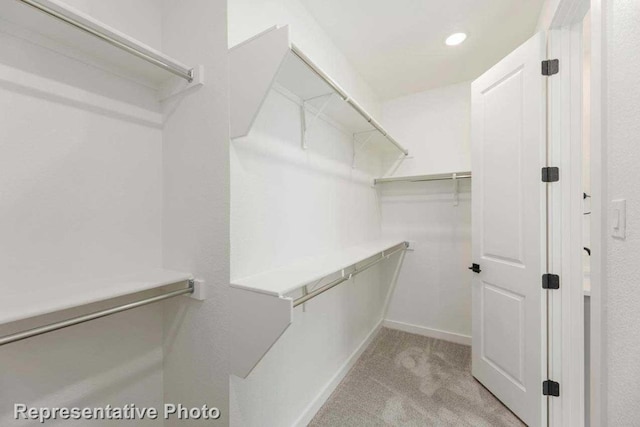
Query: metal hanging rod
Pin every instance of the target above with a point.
(304, 58)
(91, 316)
(421, 178)
(147, 55)
(383, 255)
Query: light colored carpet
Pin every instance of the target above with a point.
(404, 379)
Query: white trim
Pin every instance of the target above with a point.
(598, 212)
(567, 315)
(320, 399)
(428, 332)
(567, 320)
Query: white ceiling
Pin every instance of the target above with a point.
(398, 45)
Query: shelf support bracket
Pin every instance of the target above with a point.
(174, 87)
(303, 115)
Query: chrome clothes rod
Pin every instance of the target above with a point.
(421, 178)
(383, 255)
(157, 60)
(91, 316)
(304, 58)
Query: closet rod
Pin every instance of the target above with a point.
(420, 178)
(91, 316)
(356, 271)
(151, 57)
(304, 58)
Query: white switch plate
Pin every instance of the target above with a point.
(618, 218)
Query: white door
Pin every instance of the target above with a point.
(509, 225)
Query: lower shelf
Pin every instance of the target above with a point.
(261, 311)
(27, 304)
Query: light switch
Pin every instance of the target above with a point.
(618, 217)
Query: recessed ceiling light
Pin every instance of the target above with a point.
(455, 39)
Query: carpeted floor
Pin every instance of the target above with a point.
(404, 379)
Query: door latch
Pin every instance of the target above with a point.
(475, 268)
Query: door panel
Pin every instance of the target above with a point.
(508, 149)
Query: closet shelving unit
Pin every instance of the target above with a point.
(55, 21)
(63, 24)
(270, 61)
(22, 305)
(261, 305)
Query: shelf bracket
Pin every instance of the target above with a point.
(303, 115)
(174, 87)
(362, 145)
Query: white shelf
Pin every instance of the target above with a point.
(22, 303)
(81, 32)
(421, 178)
(261, 311)
(270, 61)
(280, 282)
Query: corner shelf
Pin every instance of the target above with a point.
(21, 304)
(262, 311)
(70, 27)
(270, 61)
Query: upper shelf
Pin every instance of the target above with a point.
(269, 60)
(21, 304)
(282, 281)
(61, 23)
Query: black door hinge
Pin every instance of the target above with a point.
(475, 268)
(550, 67)
(550, 281)
(550, 174)
(550, 388)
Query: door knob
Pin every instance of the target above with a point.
(475, 268)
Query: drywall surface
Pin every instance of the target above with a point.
(288, 203)
(81, 179)
(196, 210)
(623, 157)
(433, 294)
(250, 17)
(434, 126)
(138, 19)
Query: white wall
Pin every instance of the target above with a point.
(81, 199)
(196, 210)
(433, 294)
(622, 316)
(287, 203)
(435, 126)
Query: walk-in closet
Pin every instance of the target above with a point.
(321, 213)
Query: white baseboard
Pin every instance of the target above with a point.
(428, 332)
(320, 399)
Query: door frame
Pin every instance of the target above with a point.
(566, 306)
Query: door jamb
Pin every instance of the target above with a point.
(566, 340)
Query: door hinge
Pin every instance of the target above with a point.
(550, 67)
(550, 281)
(550, 388)
(550, 174)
